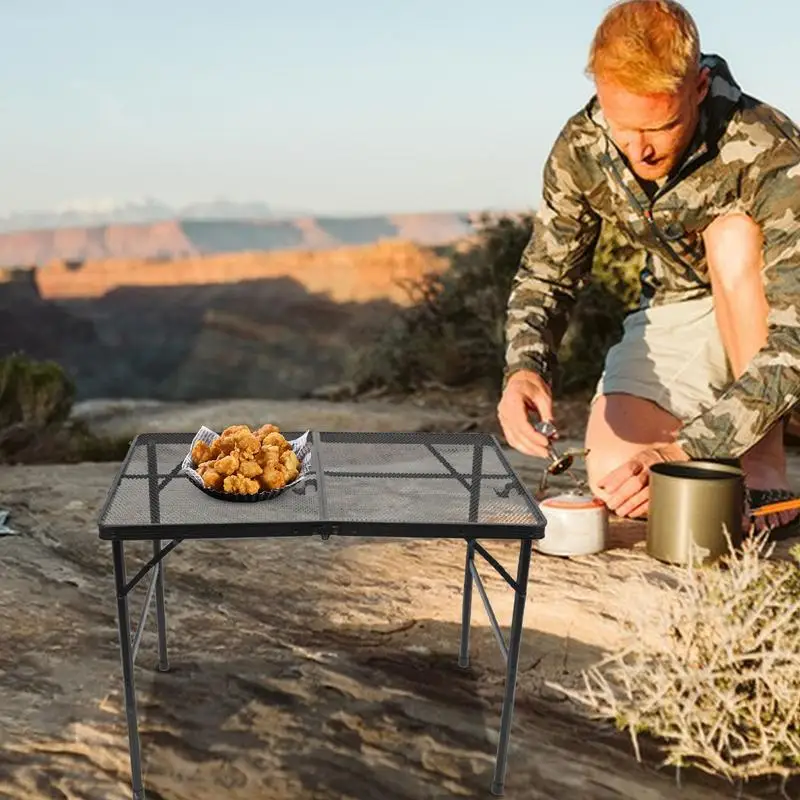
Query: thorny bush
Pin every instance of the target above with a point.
(712, 670)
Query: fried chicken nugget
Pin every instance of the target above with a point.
(213, 480)
(227, 465)
(290, 475)
(249, 469)
(269, 456)
(205, 465)
(274, 477)
(291, 463)
(247, 442)
(227, 444)
(289, 459)
(236, 484)
(231, 430)
(222, 446)
(200, 452)
(265, 429)
(275, 439)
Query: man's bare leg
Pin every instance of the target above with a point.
(734, 248)
(622, 425)
(619, 427)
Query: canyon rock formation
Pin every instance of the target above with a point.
(246, 325)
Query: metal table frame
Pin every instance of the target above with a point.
(129, 640)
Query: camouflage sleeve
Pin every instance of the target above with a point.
(770, 386)
(554, 264)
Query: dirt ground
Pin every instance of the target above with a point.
(303, 668)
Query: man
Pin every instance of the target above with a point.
(706, 180)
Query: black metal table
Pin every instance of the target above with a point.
(408, 485)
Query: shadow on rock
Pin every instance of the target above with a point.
(329, 719)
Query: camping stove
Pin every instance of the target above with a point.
(577, 522)
(560, 463)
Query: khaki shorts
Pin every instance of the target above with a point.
(671, 355)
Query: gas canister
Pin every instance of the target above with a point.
(577, 525)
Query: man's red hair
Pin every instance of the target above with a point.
(646, 46)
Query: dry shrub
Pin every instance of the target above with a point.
(713, 671)
(453, 331)
(36, 400)
(33, 393)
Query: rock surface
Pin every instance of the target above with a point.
(120, 418)
(302, 668)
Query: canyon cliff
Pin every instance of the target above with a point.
(253, 324)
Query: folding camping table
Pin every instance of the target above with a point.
(370, 484)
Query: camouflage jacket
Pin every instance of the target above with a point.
(745, 157)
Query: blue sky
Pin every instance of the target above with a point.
(329, 106)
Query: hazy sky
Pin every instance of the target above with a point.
(337, 106)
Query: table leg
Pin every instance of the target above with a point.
(466, 606)
(161, 613)
(520, 595)
(126, 654)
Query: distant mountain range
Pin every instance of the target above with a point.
(155, 232)
(94, 213)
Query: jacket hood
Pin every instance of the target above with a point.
(723, 98)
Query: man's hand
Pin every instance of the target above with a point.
(525, 391)
(627, 489)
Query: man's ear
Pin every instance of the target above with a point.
(703, 84)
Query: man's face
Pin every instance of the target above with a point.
(652, 130)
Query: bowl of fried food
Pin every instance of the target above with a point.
(244, 464)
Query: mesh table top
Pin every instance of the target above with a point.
(420, 485)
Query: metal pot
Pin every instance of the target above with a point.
(692, 505)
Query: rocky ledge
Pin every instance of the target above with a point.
(302, 668)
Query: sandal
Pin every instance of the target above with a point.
(757, 498)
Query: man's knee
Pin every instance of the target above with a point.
(620, 426)
(734, 250)
(601, 462)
